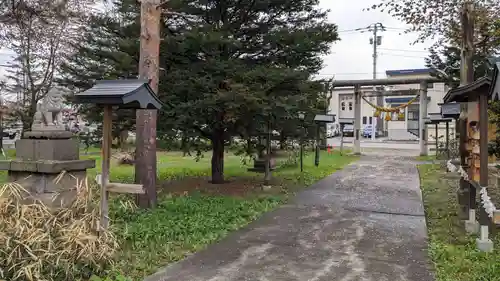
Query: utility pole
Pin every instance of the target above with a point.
(145, 166)
(376, 41)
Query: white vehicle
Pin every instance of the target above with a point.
(333, 130)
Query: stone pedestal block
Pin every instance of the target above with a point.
(484, 245)
(48, 166)
(43, 149)
(259, 165)
(51, 189)
(51, 181)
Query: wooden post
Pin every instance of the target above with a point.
(357, 119)
(422, 140)
(437, 143)
(106, 156)
(316, 152)
(483, 140)
(341, 139)
(483, 242)
(466, 77)
(145, 166)
(466, 65)
(447, 136)
(267, 167)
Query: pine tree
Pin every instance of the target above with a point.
(234, 66)
(227, 67)
(109, 49)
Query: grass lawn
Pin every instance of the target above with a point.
(453, 252)
(426, 158)
(193, 213)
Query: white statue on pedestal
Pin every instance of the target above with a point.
(48, 116)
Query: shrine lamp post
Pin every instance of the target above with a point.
(302, 117)
(321, 119)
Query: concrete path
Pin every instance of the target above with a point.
(364, 223)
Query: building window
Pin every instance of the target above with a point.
(342, 106)
(430, 86)
(413, 115)
(370, 120)
(350, 106)
(364, 120)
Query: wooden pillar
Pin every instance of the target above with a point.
(105, 163)
(421, 119)
(467, 50)
(357, 119)
(145, 166)
(483, 142)
(267, 174)
(483, 243)
(436, 137)
(447, 136)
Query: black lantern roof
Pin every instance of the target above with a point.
(468, 92)
(436, 118)
(126, 93)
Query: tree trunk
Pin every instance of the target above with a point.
(184, 145)
(123, 140)
(260, 148)
(218, 157)
(282, 140)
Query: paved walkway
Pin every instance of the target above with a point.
(364, 223)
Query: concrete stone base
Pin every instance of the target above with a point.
(52, 182)
(47, 165)
(52, 189)
(49, 133)
(45, 149)
(259, 165)
(484, 245)
(471, 227)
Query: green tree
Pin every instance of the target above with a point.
(226, 66)
(108, 49)
(440, 19)
(230, 63)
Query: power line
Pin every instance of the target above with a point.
(397, 28)
(399, 55)
(365, 29)
(354, 30)
(402, 50)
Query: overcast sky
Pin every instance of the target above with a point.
(351, 58)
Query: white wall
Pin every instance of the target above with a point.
(346, 95)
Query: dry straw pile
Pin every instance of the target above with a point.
(38, 243)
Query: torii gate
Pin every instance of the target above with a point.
(423, 82)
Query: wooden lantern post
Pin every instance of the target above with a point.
(131, 94)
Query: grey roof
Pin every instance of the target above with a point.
(346, 121)
(467, 92)
(450, 110)
(495, 83)
(127, 93)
